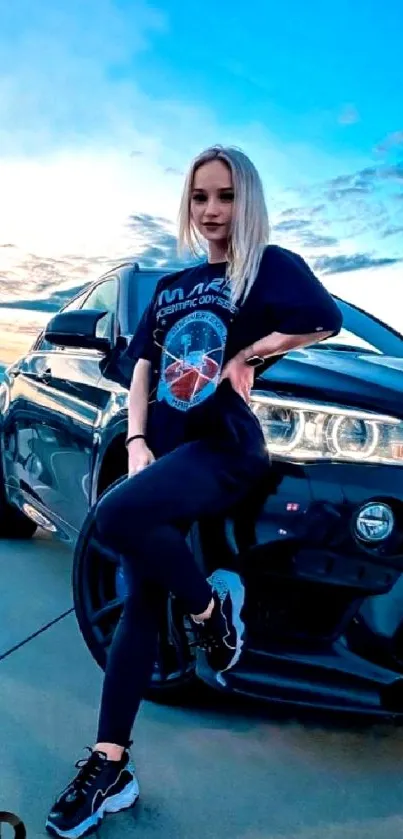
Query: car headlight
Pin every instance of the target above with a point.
(303, 430)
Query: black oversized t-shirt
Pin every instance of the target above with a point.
(183, 333)
(191, 329)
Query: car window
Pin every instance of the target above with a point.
(105, 297)
(76, 303)
(140, 292)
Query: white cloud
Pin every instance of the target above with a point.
(78, 201)
(82, 147)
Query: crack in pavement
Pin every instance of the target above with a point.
(35, 634)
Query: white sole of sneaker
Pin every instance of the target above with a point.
(122, 801)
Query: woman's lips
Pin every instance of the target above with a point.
(212, 225)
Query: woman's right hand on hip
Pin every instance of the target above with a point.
(140, 456)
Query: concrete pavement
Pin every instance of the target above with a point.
(220, 772)
(35, 586)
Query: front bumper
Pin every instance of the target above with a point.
(315, 505)
(306, 576)
(333, 679)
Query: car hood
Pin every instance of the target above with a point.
(354, 379)
(363, 380)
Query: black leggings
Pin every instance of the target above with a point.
(146, 518)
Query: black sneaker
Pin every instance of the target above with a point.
(223, 635)
(101, 786)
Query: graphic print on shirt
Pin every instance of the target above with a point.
(192, 357)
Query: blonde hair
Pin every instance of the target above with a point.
(250, 227)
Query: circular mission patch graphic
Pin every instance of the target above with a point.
(192, 358)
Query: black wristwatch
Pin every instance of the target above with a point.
(255, 361)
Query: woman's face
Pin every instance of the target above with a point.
(212, 201)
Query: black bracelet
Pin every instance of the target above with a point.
(134, 437)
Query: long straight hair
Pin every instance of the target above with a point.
(250, 226)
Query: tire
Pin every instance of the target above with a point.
(13, 523)
(94, 579)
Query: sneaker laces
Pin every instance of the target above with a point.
(206, 642)
(90, 767)
(205, 637)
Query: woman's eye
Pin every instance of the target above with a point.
(225, 197)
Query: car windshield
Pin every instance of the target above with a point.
(346, 341)
(363, 333)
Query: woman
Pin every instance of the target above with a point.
(194, 448)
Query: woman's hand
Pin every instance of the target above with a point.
(140, 456)
(240, 374)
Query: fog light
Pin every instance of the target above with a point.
(374, 522)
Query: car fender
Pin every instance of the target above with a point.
(104, 438)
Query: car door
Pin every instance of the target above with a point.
(17, 420)
(67, 407)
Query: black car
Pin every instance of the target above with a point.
(321, 549)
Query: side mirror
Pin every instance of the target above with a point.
(79, 328)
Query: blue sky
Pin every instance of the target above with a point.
(102, 105)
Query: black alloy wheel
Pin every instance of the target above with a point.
(99, 590)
